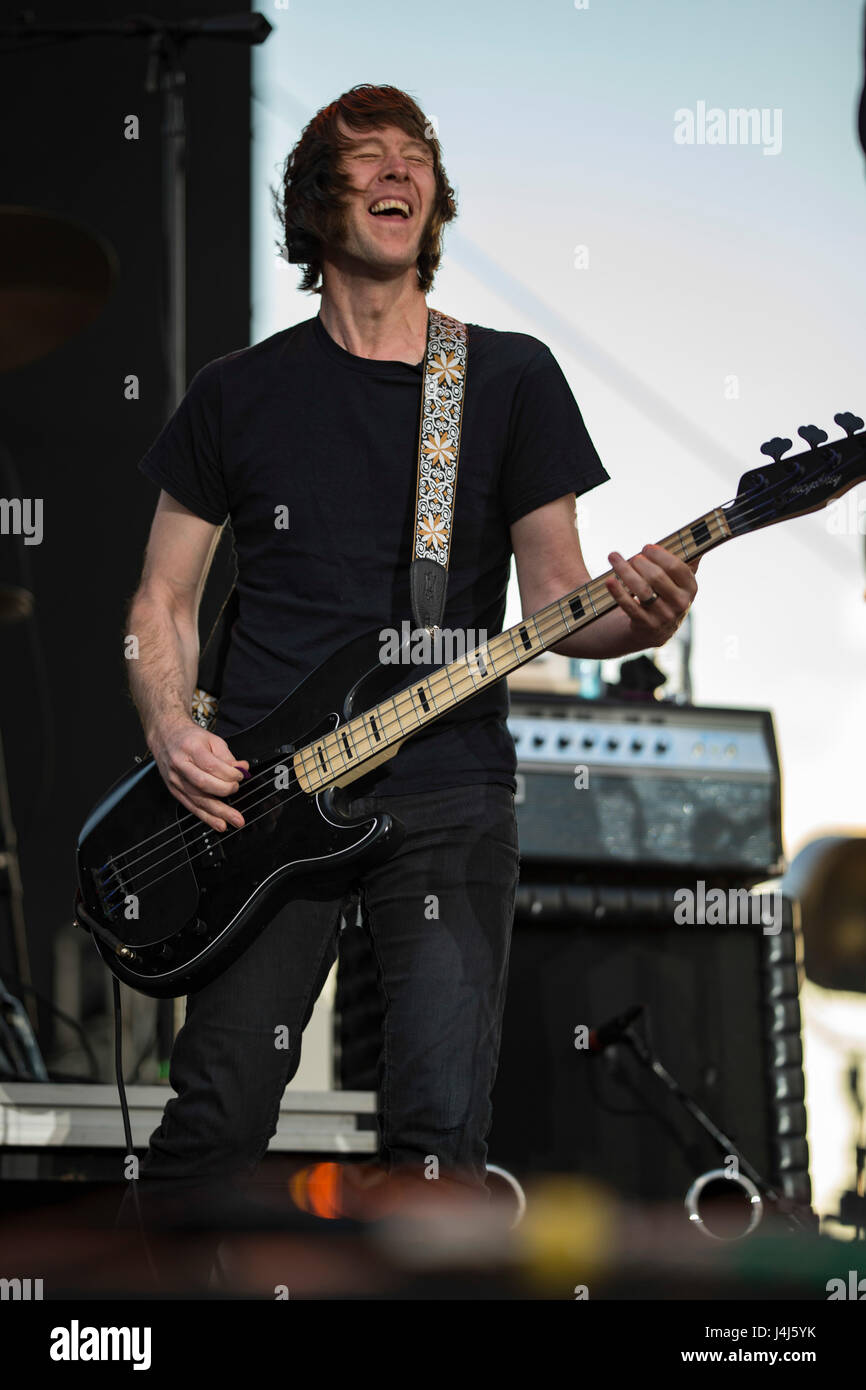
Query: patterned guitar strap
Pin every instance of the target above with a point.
(443, 388)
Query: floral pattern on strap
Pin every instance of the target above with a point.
(204, 707)
(439, 440)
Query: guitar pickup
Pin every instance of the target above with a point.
(209, 851)
(284, 751)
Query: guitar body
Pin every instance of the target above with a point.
(171, 902)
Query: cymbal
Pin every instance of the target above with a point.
(55, 278)
(15, 603)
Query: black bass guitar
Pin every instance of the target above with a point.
(170, 902)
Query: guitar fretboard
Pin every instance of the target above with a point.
(369, 738)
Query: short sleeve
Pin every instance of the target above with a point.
(185, 458)
(549, 452)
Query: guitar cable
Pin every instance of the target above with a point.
(127, 1128)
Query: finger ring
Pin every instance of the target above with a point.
(645, 602)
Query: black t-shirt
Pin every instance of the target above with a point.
(296, 422)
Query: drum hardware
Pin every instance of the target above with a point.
(12, 886)
(55, 279)
(19, 1051)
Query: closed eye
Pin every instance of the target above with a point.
(412, 158)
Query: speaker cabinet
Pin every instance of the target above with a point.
(721, 1012)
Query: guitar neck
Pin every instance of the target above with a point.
(374, 736)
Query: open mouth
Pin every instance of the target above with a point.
(391, 210)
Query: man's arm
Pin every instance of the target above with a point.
(550, 563)
(196, 765)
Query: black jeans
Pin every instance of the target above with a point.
(439, 912)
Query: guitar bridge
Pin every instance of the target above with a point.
(111, 886)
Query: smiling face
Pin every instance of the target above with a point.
(389, 202)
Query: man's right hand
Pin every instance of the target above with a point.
(198, 769)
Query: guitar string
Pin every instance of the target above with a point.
(244, 787)
(248, 785)
(183, 847)
(136, 886)
(191, 816)
(391, 719)
(552, 622)
(395, 718)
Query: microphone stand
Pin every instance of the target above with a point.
(622, 1030)
(165, 71)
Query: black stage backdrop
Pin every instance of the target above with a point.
(72, 436)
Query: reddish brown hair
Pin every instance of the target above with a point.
(310, 203)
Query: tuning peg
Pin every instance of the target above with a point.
(850, 423)
(776, 447)
(813, 435)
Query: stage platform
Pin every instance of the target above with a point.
(38, 1121)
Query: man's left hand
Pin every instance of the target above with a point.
(653, 571)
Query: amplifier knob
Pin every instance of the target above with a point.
(587, 742)
(563, 741)
(538, 740)
(612, 744)
(637, 745)
(662, 746)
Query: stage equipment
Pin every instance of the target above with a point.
(53, 1130)
(608, 784)
(720, 1007)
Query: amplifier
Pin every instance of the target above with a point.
(648, 785)
(722, 1012)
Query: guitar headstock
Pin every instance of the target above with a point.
(806, 482)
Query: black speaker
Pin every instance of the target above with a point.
(721, 1011)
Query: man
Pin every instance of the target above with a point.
(319, 424)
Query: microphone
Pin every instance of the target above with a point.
(611, 1032)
